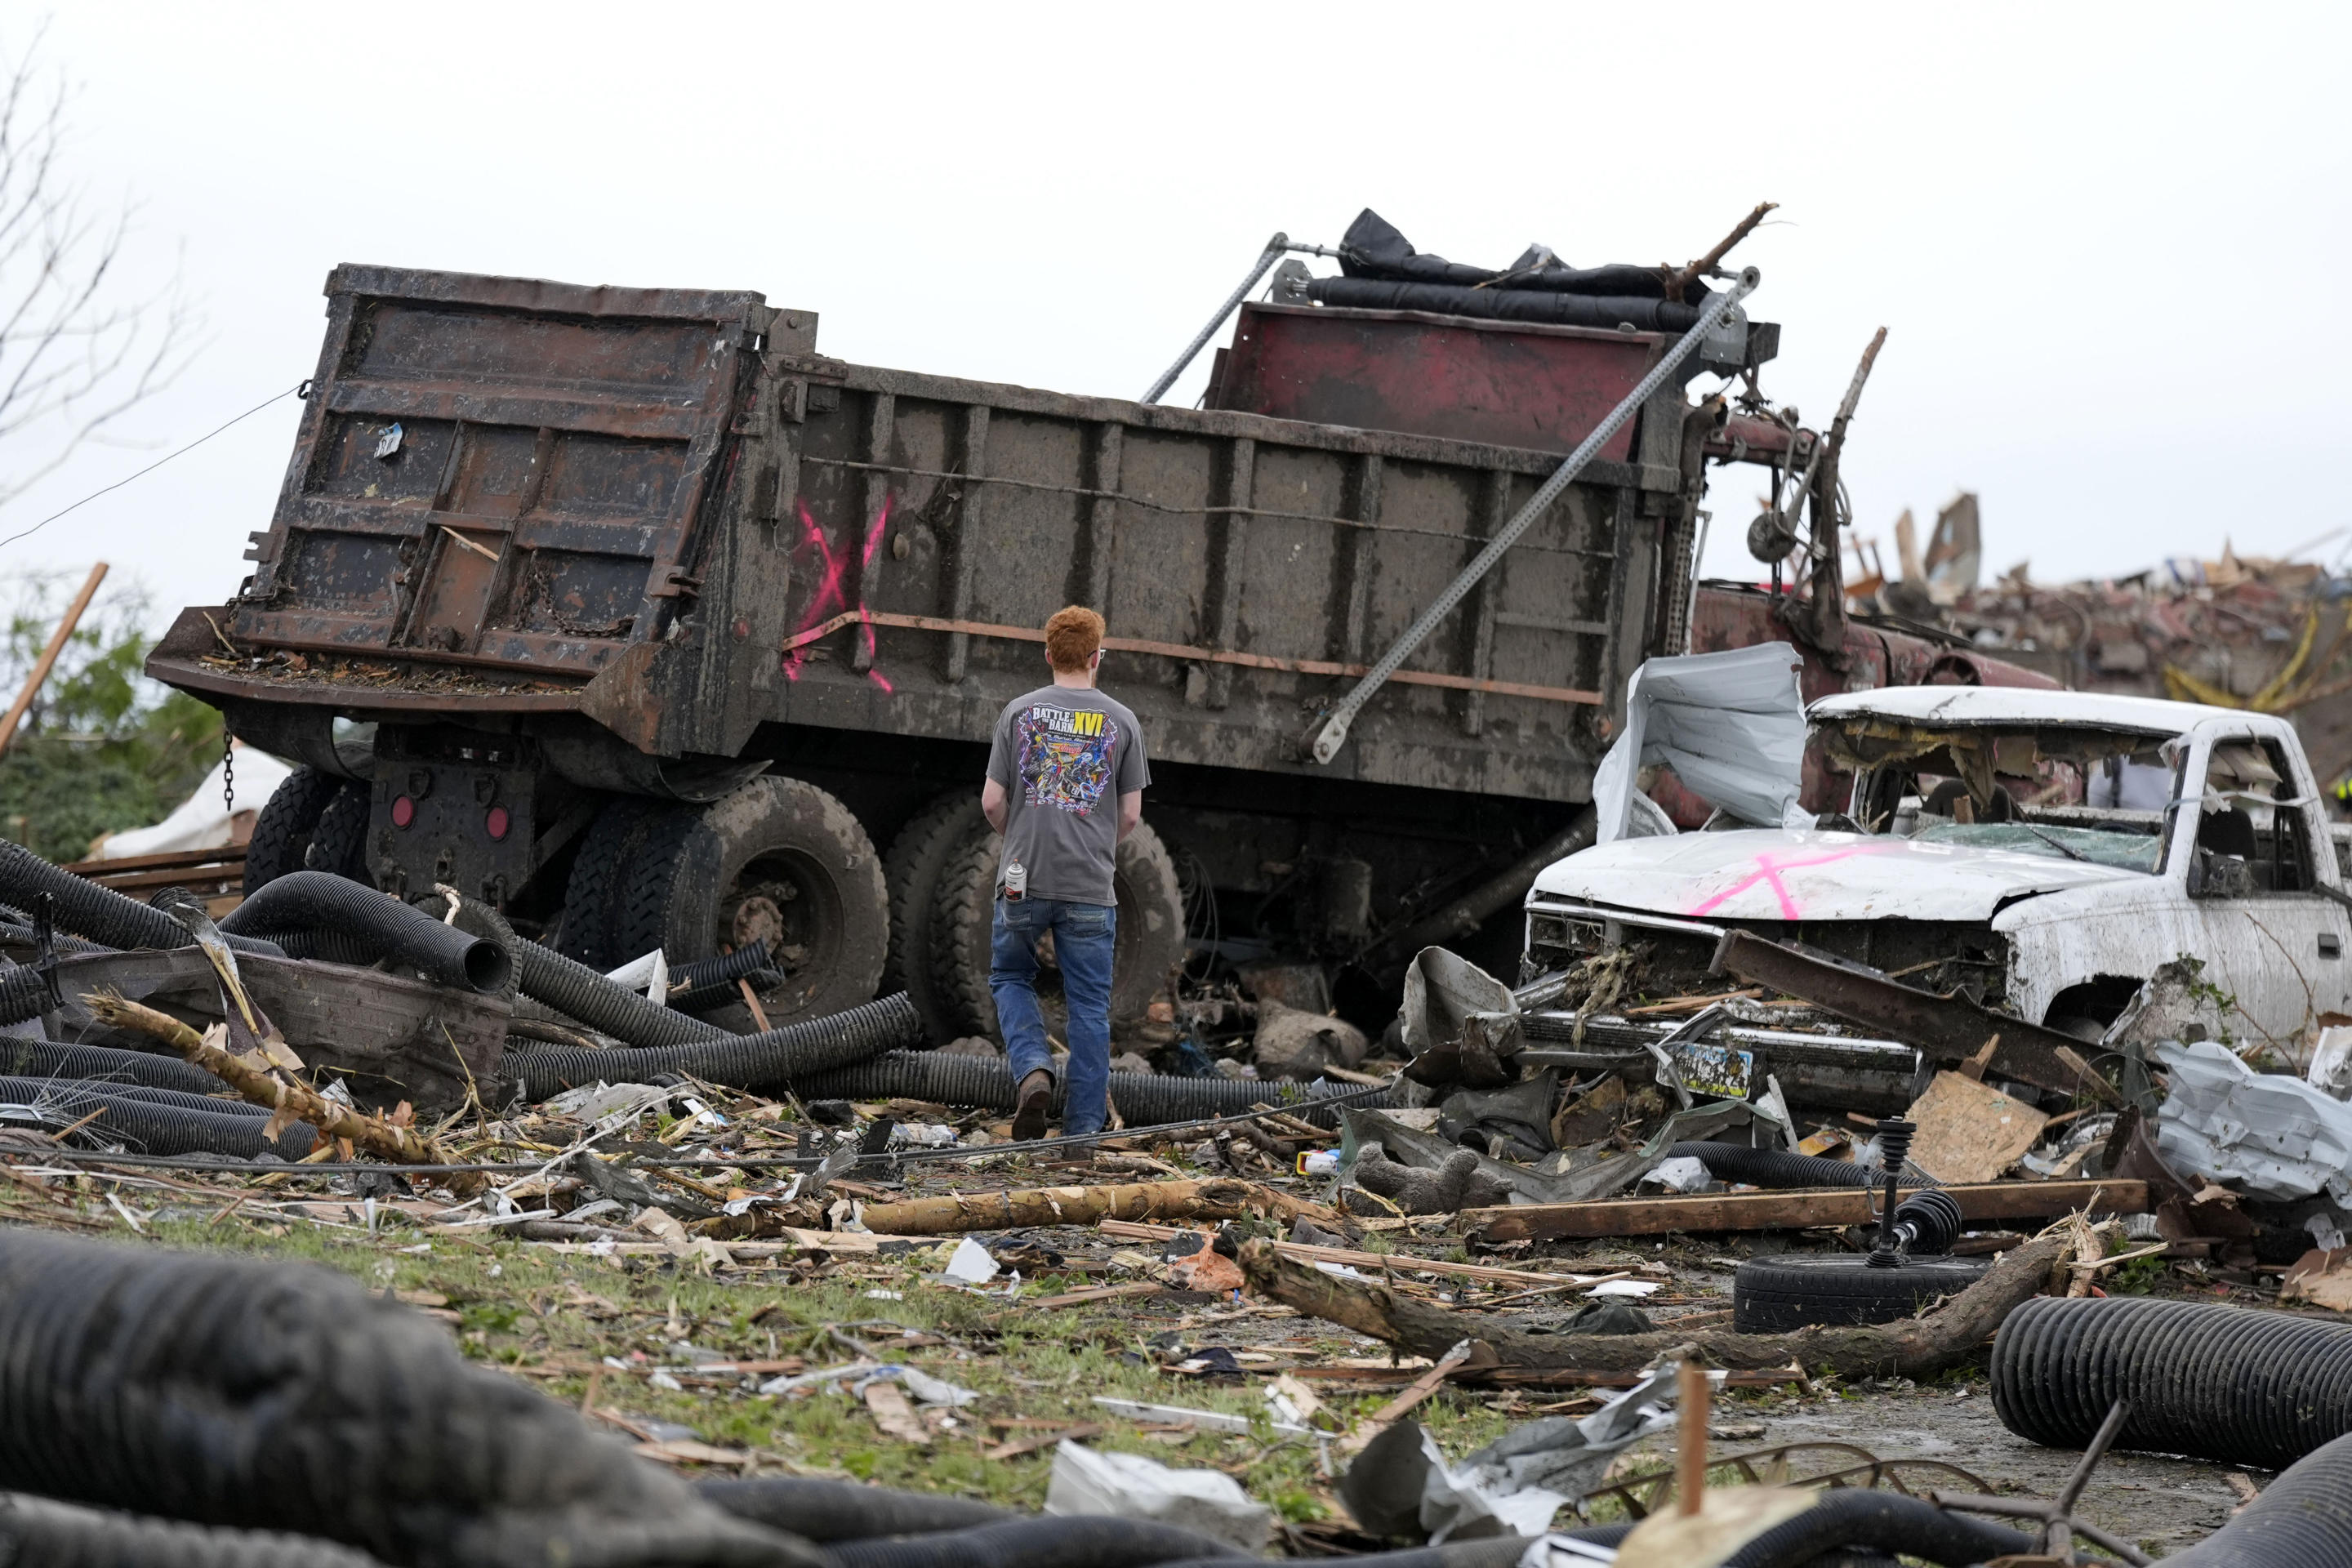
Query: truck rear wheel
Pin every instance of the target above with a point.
(592, 897)
(939, 835)
(1150, 938)
(338, 842)
(281, 833)
(778, 860)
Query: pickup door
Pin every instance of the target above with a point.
(2251, 850)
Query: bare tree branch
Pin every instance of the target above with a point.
(77, 352)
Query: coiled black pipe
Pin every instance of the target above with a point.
(41, 1532)
(723, 972)
(1062, 1541)
(102, 1067)
(308, 901)
(2302, 1520)
(579, 992)
(1782, 1168)
(150, 1126)
(23, 994)
(1144, 1099)
(740, 1061)
(823, 1510)
(87, 910)
(20, 1090)
(271, 1396)
(1887, 1521)
(2227, 1383)
(1492, 1552)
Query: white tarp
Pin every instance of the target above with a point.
(2268, 1135)
(1730, 724)
(202, 821)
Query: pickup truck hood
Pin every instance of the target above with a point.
(1768, 875)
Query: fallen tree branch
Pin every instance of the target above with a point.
(1220, 1198)
(1912, 1347)
(292, 1102)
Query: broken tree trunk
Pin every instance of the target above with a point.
(1215, 1199)
(290, 1102)
(1912, 1347)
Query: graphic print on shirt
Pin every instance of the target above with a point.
(1064, 756)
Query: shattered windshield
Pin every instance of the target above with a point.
(2123, 851)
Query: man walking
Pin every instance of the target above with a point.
(1066, 776)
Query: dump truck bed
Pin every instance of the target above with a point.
(662, 512)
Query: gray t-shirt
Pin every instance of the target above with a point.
(1064, 756)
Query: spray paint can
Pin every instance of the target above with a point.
(1016, 881)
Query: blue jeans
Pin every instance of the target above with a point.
(1084, 936)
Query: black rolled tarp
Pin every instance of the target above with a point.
(1373, 248)
(1605, 311)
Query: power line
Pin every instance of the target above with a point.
(155, 465)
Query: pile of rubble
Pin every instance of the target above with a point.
(1502, 1209)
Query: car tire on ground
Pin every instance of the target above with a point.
(911, 868)
(282, 833)
(777, 859)
(338, 842)
(1150, 938)
(1774, 1294)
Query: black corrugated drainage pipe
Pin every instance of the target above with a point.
(740, 1061)
(1492, 1552)
(148, 1126)
(87, 910)
(2303, 1520)
(1143, 1100)
(265, 1395)
(40, 1532)
(1054, 1541)
(818, 1510)
(1855, 1525)
(2227, 1384)
(579, 992)
(102, 1067)
(23, 994)
(308, 901)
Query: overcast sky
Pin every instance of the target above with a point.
(2102, 237)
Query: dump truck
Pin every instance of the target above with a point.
(628, 612)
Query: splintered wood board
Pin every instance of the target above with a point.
(1969, 1131)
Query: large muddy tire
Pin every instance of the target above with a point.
(937, 835)
(281, 833)
(338, 842)
(592, 897)
(1151, 933)
(777, 859)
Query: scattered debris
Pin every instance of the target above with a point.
(1129, 1486)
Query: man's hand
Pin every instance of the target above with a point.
(1130, 812)
(993, 802)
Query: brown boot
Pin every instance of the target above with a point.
(1035, 1099)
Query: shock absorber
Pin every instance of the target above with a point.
(1894, 1148)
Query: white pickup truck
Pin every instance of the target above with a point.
(1973, 857)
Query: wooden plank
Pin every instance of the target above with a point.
(1397, 1262)
(1787, 1210)
(218, 855)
